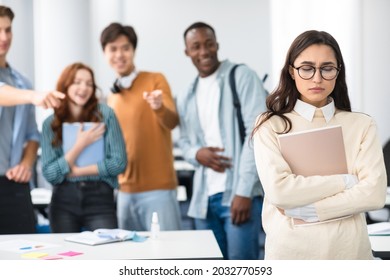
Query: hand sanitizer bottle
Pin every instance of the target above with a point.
(154, 227)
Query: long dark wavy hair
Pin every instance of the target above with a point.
(62, 114)
(282, 100)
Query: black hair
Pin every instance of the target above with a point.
(199, 24)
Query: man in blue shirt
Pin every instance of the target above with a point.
(227, 194)
(19, 139)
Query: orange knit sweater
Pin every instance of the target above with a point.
(147, 135)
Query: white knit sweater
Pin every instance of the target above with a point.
(343, 239)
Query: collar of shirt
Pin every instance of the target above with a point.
(307, 111)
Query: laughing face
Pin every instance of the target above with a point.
(81, 90)
(5, 36)
(202, 48)
(120, 55)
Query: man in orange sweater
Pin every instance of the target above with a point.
(146, 113)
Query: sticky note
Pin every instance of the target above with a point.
(139, 238)
(70, 254)
(52, 258)
(34, 255)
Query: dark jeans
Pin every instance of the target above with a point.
(16, 209)
(82, 206)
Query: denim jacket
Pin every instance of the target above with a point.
(242, 178)
(25, 126)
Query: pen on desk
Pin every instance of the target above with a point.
(25, 248)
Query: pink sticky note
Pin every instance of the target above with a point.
(52, 258)
(70, 254)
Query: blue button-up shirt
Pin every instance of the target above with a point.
(25, 127)
(242, 178)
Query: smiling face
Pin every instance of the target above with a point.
(316, 90)
(202, 48)
(120, 55)
(5, 37)
(82, 88)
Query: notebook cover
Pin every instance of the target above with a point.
(315, 152)
(92, 153)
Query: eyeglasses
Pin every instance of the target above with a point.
(307, 72)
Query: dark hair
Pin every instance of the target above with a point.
(6, 12)
(282, 100)
(114, 30)
(62, 114)
(198, 24)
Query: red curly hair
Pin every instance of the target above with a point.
(62, 114)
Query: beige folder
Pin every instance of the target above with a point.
(315, 152)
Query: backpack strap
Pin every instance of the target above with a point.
(236, 102)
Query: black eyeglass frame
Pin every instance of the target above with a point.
(315, 70)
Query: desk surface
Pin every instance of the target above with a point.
(380, 246)
(200, 244)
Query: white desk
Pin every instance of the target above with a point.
(191, 244)
(380, 246)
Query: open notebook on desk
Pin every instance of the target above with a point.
(104, 236)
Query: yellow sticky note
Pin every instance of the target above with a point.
(34, 255)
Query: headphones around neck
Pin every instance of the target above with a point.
(115, 88)
(124, 82)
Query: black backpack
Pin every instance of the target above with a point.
(236, 101)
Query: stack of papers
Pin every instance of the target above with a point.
(379, 228)
(103, 236)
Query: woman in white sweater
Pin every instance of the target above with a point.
(312, 93)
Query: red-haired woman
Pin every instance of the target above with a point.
(82, 195)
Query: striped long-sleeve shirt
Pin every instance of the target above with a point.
(55, 168)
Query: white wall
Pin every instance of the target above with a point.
(291, 18)
(242, 29)
(21, 54)
(376, 63)
(361, 28)
(49, 34)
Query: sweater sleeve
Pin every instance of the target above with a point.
(370, 192)
(282, 188)
(167, 114)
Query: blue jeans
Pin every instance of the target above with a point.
(237, 242)
(135, 210)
